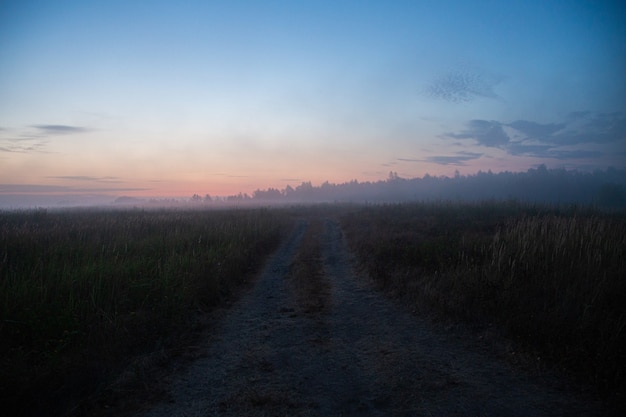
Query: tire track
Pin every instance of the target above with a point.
(246, 365)
(361, 356)
(406, 366)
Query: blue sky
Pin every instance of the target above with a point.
(172, 98)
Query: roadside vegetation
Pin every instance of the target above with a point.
(83, 291)
(552, 279)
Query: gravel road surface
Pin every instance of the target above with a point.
(363, 356)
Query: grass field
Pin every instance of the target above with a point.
(83, 291)
(552, 279)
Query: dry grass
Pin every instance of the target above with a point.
(552, 279)
(81, 292)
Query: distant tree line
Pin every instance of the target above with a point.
(538, 185)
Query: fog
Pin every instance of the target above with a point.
(538, 185)
(602, 189)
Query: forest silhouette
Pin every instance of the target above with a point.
(537, 185)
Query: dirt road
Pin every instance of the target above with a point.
(363, 356)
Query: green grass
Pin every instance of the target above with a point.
(81, 291)
(552, 279)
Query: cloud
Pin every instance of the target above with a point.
(22, 145)
(578, 128)
(546, 151)
(463, 84)
(485, 132)
(52, 189)
(34, 138)
(593, 128)
(536, 130)
(60, 129)
(87, 178)
(393, 163)
(549, 140)
(459, 159)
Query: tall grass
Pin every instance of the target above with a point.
(562, 281)
(81, 290)
(554, 279)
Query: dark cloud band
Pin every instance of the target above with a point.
(459, 159)
(547, 140)
(60, 129)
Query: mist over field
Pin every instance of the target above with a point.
(602, 189)
(540, 185)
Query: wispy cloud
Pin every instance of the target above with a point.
(459, 159)
(53, 189)
(462, 84)
(34, 138)
(60, 129)
(22, 145)
(88, 178)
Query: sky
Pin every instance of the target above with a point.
(171, 98)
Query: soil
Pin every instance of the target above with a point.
(364, 355)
